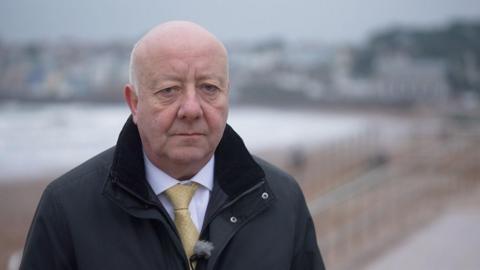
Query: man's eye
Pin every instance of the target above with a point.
(209, 88)
(166, 91)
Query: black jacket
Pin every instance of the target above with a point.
(104, 215)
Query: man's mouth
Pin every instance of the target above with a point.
(189, 134)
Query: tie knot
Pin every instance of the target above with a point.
(181, 195)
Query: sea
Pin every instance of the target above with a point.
(41, 139)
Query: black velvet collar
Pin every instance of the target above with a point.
(235, 169)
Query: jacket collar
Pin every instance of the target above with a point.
(235, 169)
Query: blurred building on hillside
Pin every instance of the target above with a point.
(396, 67)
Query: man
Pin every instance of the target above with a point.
(179, 190)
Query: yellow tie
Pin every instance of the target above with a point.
(180, 197)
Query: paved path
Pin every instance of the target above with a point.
(451, 242)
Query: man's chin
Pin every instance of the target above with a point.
(189, 155)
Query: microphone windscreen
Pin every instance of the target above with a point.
(203, 249)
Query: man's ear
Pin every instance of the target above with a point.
(131, 99)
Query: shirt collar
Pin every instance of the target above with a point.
(160, 181)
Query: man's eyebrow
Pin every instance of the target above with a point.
(163, 77)
(208, 76)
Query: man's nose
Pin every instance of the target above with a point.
(190, 107)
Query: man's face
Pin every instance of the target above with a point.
(181, 104)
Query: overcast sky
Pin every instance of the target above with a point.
(330, 21)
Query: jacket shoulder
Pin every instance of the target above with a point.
(90, 172)
(64, 204)
(280, 181)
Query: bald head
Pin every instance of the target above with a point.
(170, 38)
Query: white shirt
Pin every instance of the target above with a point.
(160, 182)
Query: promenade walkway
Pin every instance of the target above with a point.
(450, 242)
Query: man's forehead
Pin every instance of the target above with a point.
(178, 38)
(180, 61)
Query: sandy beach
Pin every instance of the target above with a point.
(17, 206)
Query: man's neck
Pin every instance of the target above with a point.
(179, 170)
